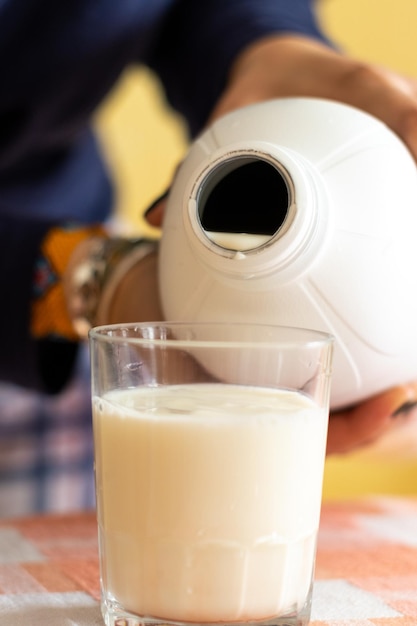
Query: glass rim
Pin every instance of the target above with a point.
(292, 336)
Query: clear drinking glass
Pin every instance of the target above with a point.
(209, 452)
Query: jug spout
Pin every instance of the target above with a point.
(257, 210)
(244, 195)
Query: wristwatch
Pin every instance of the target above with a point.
(112, 280)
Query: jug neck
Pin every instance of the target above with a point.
(257, 210)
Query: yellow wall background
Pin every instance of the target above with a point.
(144, 141)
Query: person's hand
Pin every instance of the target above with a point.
(293, 65)
(290, 66)
(377, 417)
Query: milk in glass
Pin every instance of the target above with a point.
(208, 499)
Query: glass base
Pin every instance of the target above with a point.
(114, 615)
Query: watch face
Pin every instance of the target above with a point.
(82, 282)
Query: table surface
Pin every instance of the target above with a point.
(366, 573)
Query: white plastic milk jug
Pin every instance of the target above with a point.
(301, 212)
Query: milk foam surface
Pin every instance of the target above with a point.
(208, 499)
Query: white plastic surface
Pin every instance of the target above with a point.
(356, 186)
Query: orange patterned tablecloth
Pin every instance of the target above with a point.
(366, 572)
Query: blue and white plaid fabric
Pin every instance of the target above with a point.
(46, 448)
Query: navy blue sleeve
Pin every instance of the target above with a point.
(202, 39)
(27, 211)
(19, 247)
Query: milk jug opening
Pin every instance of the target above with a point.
(243, 202)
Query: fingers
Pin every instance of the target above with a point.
(366, 422)
(155, 212)
(385, 95)
(290, 66)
